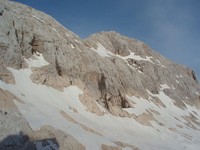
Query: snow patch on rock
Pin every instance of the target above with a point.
(37, 60)
(164, 86)
(102, 51)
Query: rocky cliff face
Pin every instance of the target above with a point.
(45, 66)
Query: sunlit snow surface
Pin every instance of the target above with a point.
(103, 52)
(42, 106)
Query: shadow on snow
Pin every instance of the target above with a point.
(23, 142)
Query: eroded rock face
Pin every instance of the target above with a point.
(73, 62)
(108, 68)
(6, 76)
(146, 71)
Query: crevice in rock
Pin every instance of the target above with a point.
(22, 41)
(56, 48)
(194, 76)
(13, 23)
(191, 73)
(8, 33)
(32, 43)
(124, 102)
(102, 84)
(20, 65)
(58, 68)
(102, 88)
(16, 34)
(154, 90)
(44, 81)
(106, 104)
(1, 13)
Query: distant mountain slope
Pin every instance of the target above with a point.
(104, 92)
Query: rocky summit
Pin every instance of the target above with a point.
(109, 92)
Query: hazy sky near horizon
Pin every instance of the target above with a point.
(170, 27)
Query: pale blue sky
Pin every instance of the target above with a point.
(170, 27)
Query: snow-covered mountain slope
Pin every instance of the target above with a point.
(107, 92)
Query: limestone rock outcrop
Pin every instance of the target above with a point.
(72, 61)
(108, 67)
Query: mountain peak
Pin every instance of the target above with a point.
(114, 91)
